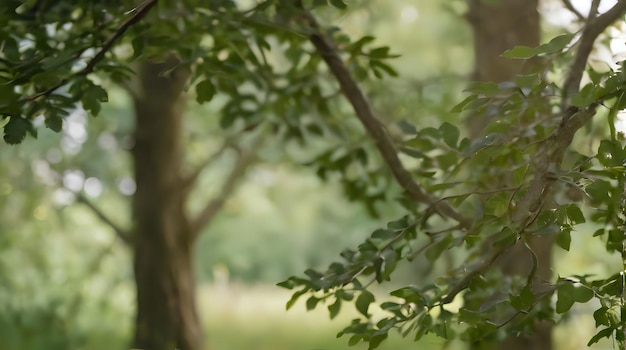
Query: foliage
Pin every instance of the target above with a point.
(275, 68)
(525, 146)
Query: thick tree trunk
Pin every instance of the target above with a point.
(166, 309)
(498, 26)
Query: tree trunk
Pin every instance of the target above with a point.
(167, 317)
(498, 26)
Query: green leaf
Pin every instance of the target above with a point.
(555, 45)
(357, 46)
(54, 122)
(410, 294)
(599, 191)
(16, 129)
(64, 57)
(376, 340)
(564, 238)
(460, 107)
(311, 303)
(295, 298)
(611, 153)
(583, 294)
(333, 309)
(343, 295)
(498, 126)
(600, 316)
(383, 234)
(227, 120)
(291, 282)
(450, 134)
(565, 297)
(399, 224)
(523, 301)
(7, 95)
(520, 52)
(355, 339)
(338, 4)
(363, 302)
(139, 44)
(378, 66)
(584, 97)
(483, 142)
(425, 323)
(488, 89)
(568, 294)
(205, 90)
(436, 249)
(575, 214)
(92, 97)
(529, 81)
(407, 127)
(605, 333)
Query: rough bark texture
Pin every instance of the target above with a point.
(498, 26)
(166, 308)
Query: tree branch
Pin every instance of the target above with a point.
(373, 126)
(190, 179)
(594, 27)
(568, 5)
(550, 156)
(207, 214)
(120, 233)
(139, 12)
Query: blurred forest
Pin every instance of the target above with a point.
(66, 281)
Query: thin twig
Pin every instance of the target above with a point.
(207, 214)
(189, 180)
(568, 5)
(120, 233)
(593, 10)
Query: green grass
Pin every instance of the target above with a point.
(254, 318)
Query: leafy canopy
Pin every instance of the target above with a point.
(276, 66)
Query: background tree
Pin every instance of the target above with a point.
(498, 27)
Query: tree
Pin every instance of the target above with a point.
(510, 217)
(272, 63)
(510, 23)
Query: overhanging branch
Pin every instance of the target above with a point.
(593, 28)
(374, 127)
(550, 156)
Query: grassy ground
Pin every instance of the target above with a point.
(254, 318)
(241, 317)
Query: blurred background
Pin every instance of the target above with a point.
(66, 282)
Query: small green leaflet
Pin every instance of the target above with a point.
(338, 4)
(205, 91)
(520, 52)
(15, 130)
(363, 302)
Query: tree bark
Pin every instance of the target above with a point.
(163, 245)
(498, 26)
